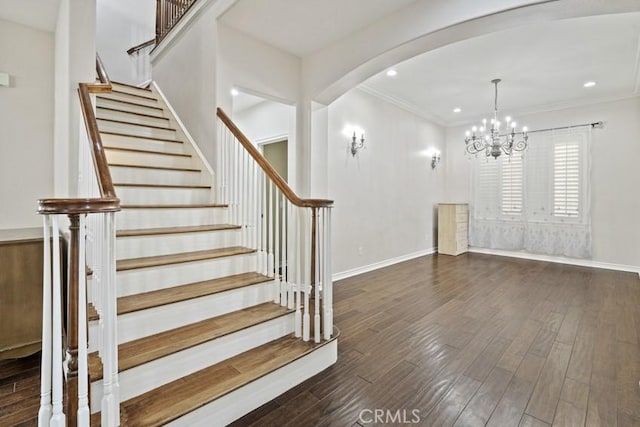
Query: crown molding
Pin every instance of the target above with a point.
(401, 104)
(547, 108)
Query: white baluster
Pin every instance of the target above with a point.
(270, 255)
(83, 371)
(276, 258)
(109, 402)
(115, 385)
(58, 418)
(306, 320)
(44, 414)
(327, 281)
(265, 261)
(236, 185)
(283, 252)
(296, 275)
(316, 274)
(290, 259)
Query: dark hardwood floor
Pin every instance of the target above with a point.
(471, 340)
(476, 340)
(20, 391)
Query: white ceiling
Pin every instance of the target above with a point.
(313, 23)
(40, 14)
(543, 67)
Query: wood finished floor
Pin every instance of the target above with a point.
(467, 341)
(477, 340)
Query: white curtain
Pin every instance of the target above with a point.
(539, 201)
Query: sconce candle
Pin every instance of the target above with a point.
(435, 159)
(356, 145)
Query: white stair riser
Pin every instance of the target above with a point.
(140, 280)
(130, 219)
(163, 195)
(149, 159)
(155, 176)
(139, 380)
(132, 90)
(142, 143)
(240, 402)
(107, 126)
(133, 118)
(139, 324)
(126, 97)
(103, 102)
(164, 244)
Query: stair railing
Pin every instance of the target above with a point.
(91, 253)
(168, 13)
(292, 236)
(139, 55)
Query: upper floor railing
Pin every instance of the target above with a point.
(168, 13)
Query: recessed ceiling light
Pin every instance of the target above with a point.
(457, 110)
(234, 92)
(589, 84)
(392, 73)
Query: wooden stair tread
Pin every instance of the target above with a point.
(175, 294)
(129, 102)
(150, 98)
(167, 168)
(173, 400)
(154, 261)
(128, 184)
(124, 122)
(133, 113)
(130, 85)
(138, 150)
(144, 350)
(195, 206)
(153, 138)
(175, 230)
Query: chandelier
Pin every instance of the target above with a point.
(490, 140)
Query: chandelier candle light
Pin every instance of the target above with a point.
(489, 139)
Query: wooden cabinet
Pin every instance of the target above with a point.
(453, 220)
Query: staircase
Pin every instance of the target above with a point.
(210, 322)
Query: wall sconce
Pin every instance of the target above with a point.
(356, 144)
(435, 159)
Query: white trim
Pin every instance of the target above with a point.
(196, 10)
(184, 129)
(402, 104)
(381, 264)
(557, 259)
(145, 84)
(272, 139)
(636, 74)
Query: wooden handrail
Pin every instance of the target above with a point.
(108, 201)
(141, 46)
(168, 14)
(269, 170)
(102, 72)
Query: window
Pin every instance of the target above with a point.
(512, 182)
(566, 179)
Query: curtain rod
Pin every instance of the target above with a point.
(594, 125)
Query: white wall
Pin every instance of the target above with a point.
(185, 71)
(269, 120)
(26, 123)
(75, 62)
(615, 175)
(122, 24)
(385, 197)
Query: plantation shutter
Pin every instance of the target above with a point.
(487, 192)
(566, 179)
(512, 185)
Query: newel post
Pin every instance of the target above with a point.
(72, 320)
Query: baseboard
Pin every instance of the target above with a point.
(557, 259)
(381, 264)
